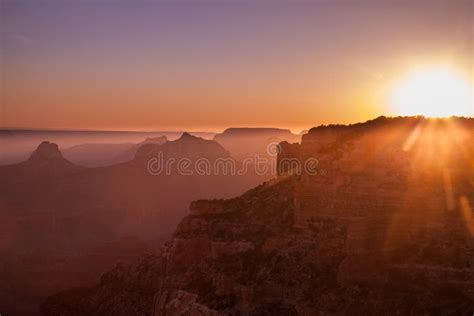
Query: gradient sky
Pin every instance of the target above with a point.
(213, 64)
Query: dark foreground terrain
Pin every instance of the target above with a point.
(385, 226)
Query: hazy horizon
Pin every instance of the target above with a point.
(176, 130)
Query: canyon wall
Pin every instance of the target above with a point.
(384, 226)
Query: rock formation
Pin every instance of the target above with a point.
(47, 155)
(62, 225)
(187, 146)
(384, 227)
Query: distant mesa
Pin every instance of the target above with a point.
(243, 142)
(255, 131)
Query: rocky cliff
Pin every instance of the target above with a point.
(384, 225)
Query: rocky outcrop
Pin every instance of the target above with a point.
(46, 151)
(48, 156)
(250, 142)
(386, 229)
(187, 146)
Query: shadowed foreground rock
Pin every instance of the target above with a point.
(384, 227)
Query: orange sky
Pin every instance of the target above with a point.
(149, 66)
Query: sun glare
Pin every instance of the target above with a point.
(436, 92)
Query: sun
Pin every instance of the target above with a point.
(434, 92)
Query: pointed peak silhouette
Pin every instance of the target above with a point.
(46, 151)
(187, 136)
(47, 154)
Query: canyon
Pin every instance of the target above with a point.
(384, 227)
